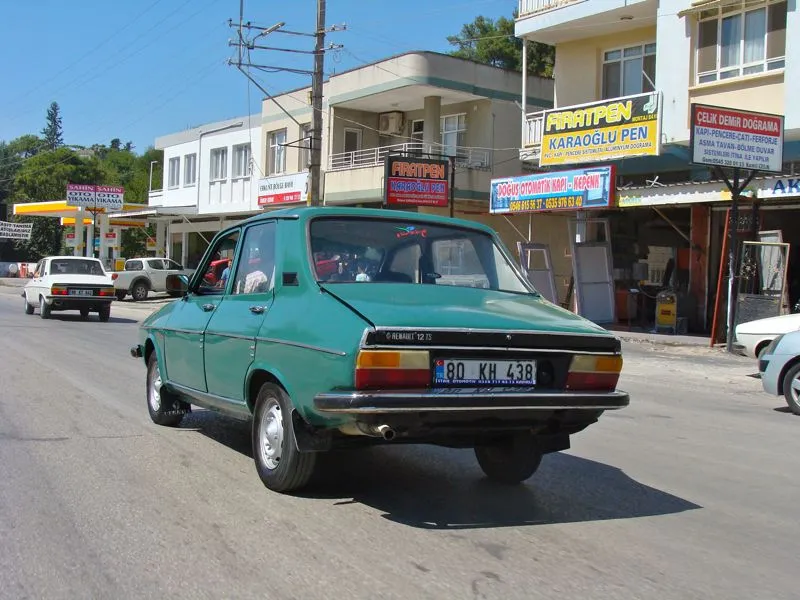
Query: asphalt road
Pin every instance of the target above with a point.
(691, 492)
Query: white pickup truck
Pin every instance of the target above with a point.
(144, 275)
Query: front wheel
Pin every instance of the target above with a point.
(161, 405)
(281, 466)
(511, 460)
(791, 388)
(28, 306)
(120, 294)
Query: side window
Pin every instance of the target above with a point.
(39, 272)
(255, 271)
(156, 264)
(404, 266)
(456, 262)
(134, 265)
(171, 265)
(215, 280)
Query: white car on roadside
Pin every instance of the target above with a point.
(69, 283)
(753, 337)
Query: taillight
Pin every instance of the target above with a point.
(392, 369)
(594, 373)
(106, 292)
(58, 291)
(114, 276)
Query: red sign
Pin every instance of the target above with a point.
(282, 189)
(417, 181)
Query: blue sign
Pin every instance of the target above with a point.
(577, 189)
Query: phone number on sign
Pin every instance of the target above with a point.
(546, 203)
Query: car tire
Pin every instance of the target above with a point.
(791, 388)
(28, 306)
(761, 348)
(44, 308)
(160, 403)
(104, 313)
(120, 294)
(139, 292)
(280, 465)
(511, 460)
(84, 313)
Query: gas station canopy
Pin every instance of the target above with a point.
(60, 208)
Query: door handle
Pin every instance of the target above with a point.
(208, 307)
(257, 310)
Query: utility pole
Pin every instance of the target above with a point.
(316, 106)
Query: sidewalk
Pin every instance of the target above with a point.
(663, 339)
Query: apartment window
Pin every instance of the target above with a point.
(628, 71)
(189, 169)
(241, 160)
(277, 151)
(453, 129)
(174, 172)
(305, 146)
(219, 164)
(741, 39)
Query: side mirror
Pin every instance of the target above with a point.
(177, 284)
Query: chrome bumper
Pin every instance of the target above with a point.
(457, 400)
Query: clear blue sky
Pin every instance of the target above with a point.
(138, 69)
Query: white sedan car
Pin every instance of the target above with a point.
(753, 337)
(69, 283)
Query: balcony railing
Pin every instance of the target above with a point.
(532, 134)
(155, 197)
(470, 158)
(531, 7)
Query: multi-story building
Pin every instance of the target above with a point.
(667, 225)
(418, 104)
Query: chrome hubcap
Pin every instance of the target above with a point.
(154, 393)
(796, 388)
(271, 435)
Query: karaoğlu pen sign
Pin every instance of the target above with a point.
(725, 137)
(576, 189)
(602, 131)
(416, 181)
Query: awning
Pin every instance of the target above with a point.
(70, 221)
(155, 212)
(59, 208)
(701, 5)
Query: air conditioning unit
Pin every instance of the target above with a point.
(391, 123)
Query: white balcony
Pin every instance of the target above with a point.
(532, 132)
(530, 7)
(155, 197)
(468, 158)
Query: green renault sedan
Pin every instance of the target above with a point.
(344, 327)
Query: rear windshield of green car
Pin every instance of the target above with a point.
(368, 250)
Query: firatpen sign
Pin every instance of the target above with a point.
(15, 231)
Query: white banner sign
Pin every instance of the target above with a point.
(95, 196)
(725, 137)
(283, 189)
(70, 241)
(112, 239)
(15, 231)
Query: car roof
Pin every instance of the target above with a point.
(306, 213)
(67, 257)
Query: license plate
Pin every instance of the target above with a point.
(80, 292)
(484, 372)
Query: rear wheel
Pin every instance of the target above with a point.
(120, 294)
(28, 306)
(160, 403)
(84, 313)
(791, 388)
(44, 308)
(104, 313)
(139, 292)
(281, 466)
(510, 460)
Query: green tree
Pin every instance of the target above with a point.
(492, 42)
(53, 133)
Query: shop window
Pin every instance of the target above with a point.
(174, 172)
(241, 161)
(628, 71)
(277, 152)
(219, 164)
(190, 169)
(740, 39)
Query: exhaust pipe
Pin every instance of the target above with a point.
(385, 432)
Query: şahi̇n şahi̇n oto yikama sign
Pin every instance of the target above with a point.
(95, 196)
(559, 190)
(725, 137)
(602, 131)
(417, 181)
